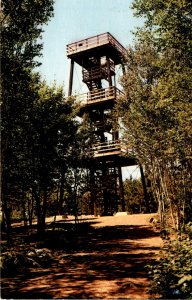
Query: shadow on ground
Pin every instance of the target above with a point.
(103, 262)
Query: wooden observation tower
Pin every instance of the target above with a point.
(98, 57)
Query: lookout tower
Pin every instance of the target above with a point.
(98, 57)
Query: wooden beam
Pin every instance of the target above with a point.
(109, 72)
(121, 189)
(71, 78)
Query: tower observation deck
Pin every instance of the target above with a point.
(98, 57)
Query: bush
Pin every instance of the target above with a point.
(171, 277)
(13, 262)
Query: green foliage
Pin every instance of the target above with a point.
(15, 261)
(171, 24)
(133, 193)
(34, 116)
(21, 27)
(172, 276)
(156, 112)
(22, 23)
(134, 197)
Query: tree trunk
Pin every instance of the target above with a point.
(31, 207)
(7, 222)
(39, 213)
(61, 194)
(44, 211)
(145, 190)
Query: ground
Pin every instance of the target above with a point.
(102, 257)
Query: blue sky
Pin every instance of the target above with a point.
(78, 19)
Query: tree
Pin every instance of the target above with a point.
(21, 33)
(158, 103)
(53, 129)
(133, 194)
(134, 197)
(78, 175)
(41, 148)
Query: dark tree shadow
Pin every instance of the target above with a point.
(86, 257)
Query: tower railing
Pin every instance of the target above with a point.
(98, 40)
(111, 148)
(99, 95)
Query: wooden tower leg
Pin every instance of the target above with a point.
(105, 194)
(116, 189)
(71, 78)
(93, 208)
(109, 72)
(121, 190)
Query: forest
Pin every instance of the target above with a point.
(44, 146)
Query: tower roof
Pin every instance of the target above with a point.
(99, 45)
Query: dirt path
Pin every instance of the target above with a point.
(106, 261)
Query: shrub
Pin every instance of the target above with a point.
(171, 276)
